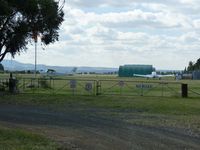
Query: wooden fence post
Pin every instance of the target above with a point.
(184, 90)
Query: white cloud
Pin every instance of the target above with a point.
(129, 19)
(162, 33)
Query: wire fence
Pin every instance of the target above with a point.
(139, 88)
(4, 85)
(100, 87)
(97, 87)
(194, 90)
(57, 86)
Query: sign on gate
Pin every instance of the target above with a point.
(121, 83)
(73, 84)
(88, 87)
(144, 86)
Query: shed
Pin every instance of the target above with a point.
(196, 75)
(129, 70)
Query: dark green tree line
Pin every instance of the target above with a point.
(193, 66)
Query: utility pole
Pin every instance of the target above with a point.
(35, 58)
(35, 38)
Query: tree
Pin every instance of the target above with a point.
(1, 67)
(197, 65)
(23, 20)
(190, 66)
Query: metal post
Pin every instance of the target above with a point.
(142, 89)
(11, 84)
(184, 89)
(97, 89)
(23, 85)
(94, 92)
(35, 58)
(98, 86)
(53, 86)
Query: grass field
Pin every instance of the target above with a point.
(153, 111)
(18, 139)
(177, 112)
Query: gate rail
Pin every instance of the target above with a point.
(139, 88)
(99, 87)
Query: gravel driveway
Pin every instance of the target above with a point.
(88, 129)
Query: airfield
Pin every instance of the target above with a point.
(128, 113)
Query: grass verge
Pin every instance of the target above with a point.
(16, 139)
(170, 112)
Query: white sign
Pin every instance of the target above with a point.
(144, 86)
(88, 86)
(121, 83)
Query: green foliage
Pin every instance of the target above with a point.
(193, 66)
(21, 21)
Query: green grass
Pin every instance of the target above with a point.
(159, 107)
(15, 139)
(150, 111)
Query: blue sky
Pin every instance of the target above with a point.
(109, 33)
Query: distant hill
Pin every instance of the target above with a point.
(13, 65)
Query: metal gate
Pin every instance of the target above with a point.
(57, 86)
(139, 88)
(101, 87)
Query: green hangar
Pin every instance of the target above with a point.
(129, 70)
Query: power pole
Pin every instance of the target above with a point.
(35, 58)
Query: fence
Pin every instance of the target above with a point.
(139, 88)
(194, 90)
(57, 86)
(4, 85)
(101, 87)
(98, 87)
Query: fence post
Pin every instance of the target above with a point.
(184, 90)
(12, 84)
(23, 85)
(97, 88)
(142, 93)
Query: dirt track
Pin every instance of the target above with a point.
(85, 128)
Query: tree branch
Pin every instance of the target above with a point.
(3, 55)
(3, 44)
(7, 20)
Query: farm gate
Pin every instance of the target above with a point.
(99, 87)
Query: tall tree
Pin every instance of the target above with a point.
(190, 66)
(197, 64)
(24, 20)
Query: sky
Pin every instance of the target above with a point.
(109, 33)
